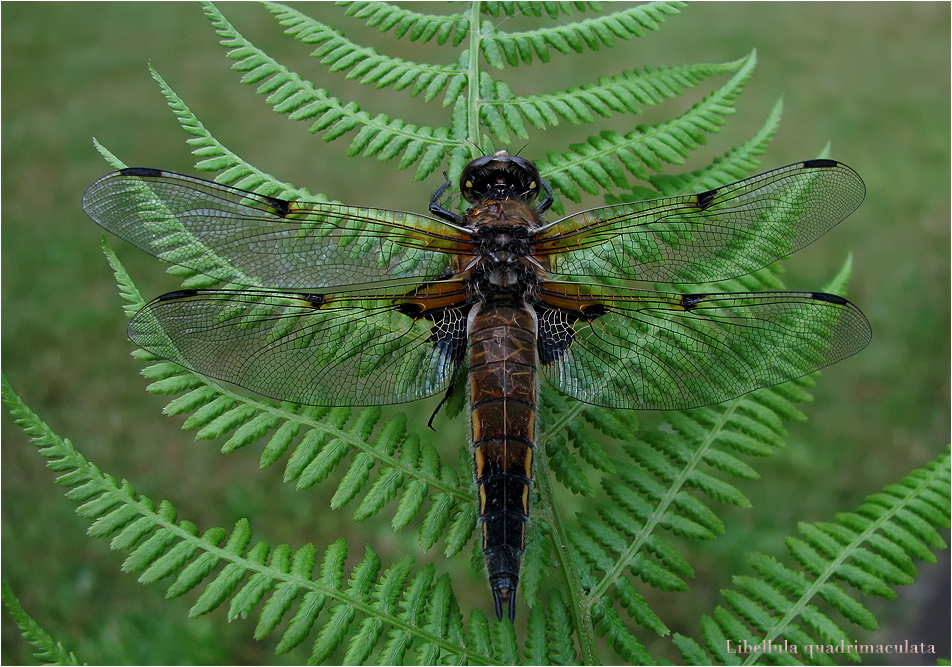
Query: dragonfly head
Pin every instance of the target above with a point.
(500, 176)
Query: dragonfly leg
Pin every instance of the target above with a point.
(436, 209)
(549, 198)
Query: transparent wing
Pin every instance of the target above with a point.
(715, 235)
(262, 241)
(641, 349)
(335, 349)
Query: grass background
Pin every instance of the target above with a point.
(872, 78)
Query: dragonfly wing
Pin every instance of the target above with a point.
(715, 235)
(335, 349)
(251, 239)
(630, 348)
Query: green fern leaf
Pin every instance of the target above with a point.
(647, 148)
(225, 583)
(290, 95)
(435, 522)
(229, 420)
(339, 54)
(46, 649)
(173, 560)
(419, 27)
(628, 92)
(505, 650)
(588, 34)
(260, 584)
(612, 628)
(767, 609)
(283, 595)
(565, 468)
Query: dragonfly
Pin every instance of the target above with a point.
(344, 305)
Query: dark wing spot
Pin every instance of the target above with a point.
(689, 301)
(593, 310)
(178, 294)
(314, 300)
(280, 206)
(819, 164)
(410, 309)
(141, 171)
(704, 199)
(829, 298)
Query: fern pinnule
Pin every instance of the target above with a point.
(589, 165)
(339, 53)
(291, 95)
(416, 26)
(46, 649)
(627, 92)
(861, 549)
(587, 34)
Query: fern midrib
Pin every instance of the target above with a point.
(677, 484)
(475, 39)
(346, 436)
(845, 553)
(65, 459)
(563, 546)
(712, 104)
(367, 609)
(613, 83)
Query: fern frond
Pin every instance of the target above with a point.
(253, 575)
(868, 550)
(46, 649)
(215, 157)
(628, 92)
(327, 440)
(127, 289)
(591, 165)
(734, 165)
(592, 34)
(330, 440)
(339, 53)
(417, 27)
(290, 95)
(551, 8)
(653, 488)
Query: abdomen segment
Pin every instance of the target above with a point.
(503, 395)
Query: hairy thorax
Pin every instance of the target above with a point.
(503, 269)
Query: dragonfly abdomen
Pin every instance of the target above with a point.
(503, 394)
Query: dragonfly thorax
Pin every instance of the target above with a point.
(503, 275)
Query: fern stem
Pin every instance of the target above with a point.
(353, 441)
(677, 485)
(844, 556)
(564, 552)
(475, 37)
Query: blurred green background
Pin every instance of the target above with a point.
(872, 78)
